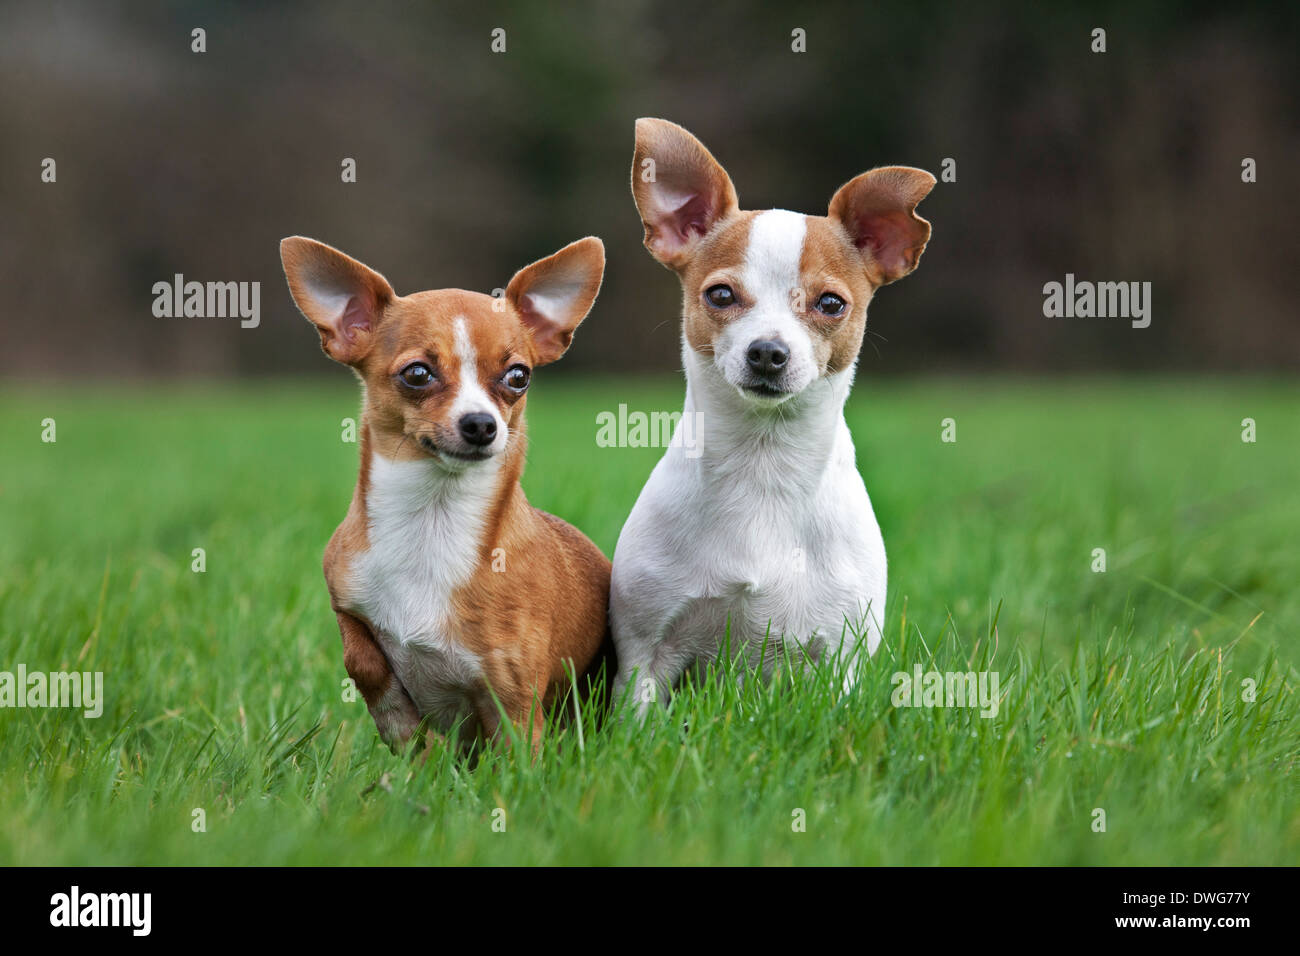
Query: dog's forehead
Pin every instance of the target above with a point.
(725, 246)
(774, 242)
(827, 248)
(442, 321)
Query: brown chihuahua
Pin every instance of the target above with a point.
(452, 592)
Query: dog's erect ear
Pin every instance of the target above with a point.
(341, 297)
(553, 295)
(679, 188)
(878, 210)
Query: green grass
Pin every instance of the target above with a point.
(1123, 690)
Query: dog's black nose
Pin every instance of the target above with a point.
(768, 357)
(478, 428)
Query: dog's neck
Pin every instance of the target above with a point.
(802, 437)
(475, 498)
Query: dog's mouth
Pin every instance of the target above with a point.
(765, 391)
(452, 454)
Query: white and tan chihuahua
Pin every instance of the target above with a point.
(763, 536)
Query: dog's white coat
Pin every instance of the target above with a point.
(425, 526)
(425, 523)
(769, 530)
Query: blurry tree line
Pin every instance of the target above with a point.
(1117, 166)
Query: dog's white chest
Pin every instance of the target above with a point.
(798, 565)
(424, 533)
(794, 565)
(749, 548)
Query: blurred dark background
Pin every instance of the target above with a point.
(1117, 166)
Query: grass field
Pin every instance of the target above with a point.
(1123, 690)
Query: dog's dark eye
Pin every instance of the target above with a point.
(720, 296)
(830, 304)
(416, 375)
(516, 378)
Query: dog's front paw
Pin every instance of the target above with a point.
(395, 716)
